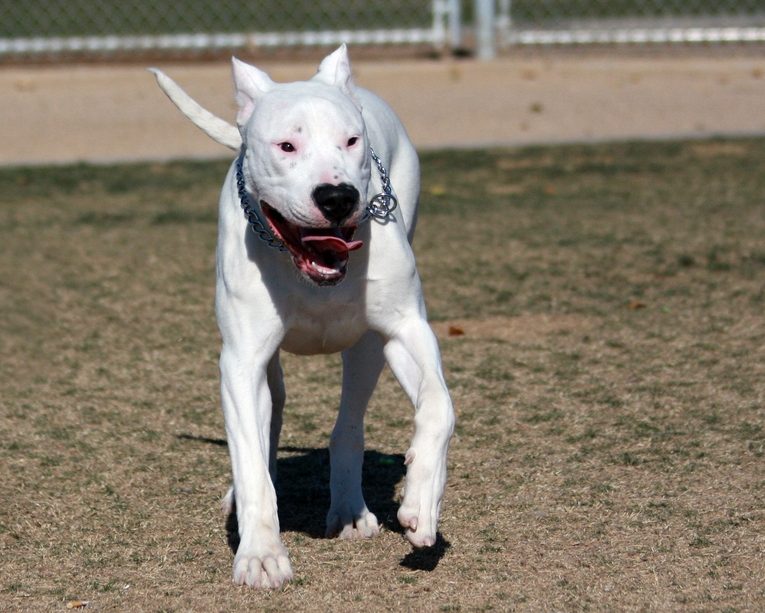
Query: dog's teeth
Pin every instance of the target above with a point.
(322, 269)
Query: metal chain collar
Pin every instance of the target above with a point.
(383, 204)
(259, 226)
(380, 207)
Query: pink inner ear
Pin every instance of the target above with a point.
(335, 69)
(342, 77)
(250, 84)
(246, 106)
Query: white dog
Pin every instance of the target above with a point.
(307, 189)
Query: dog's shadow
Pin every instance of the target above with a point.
(302, 492)
(303, 496)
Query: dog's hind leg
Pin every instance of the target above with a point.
(348, 516)
(275, 379)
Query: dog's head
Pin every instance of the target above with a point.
(307, 161)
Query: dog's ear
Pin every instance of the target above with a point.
(250, 83)
(335, 69)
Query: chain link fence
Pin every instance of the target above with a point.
(54, 29)
(108, 28)
(630, 21)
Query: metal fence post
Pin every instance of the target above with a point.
(504, 21)
(447, 23)
(486, 48)
(455, 24)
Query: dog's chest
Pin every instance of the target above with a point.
(324, 328)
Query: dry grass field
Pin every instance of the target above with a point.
(601, 314)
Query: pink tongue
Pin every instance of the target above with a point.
(332, 243)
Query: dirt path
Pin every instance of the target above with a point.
(114, 113)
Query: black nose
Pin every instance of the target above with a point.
(335, 202)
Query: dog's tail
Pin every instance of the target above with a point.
(216, 128)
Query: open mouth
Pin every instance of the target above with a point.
(321, 254)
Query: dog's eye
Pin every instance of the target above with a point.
(353, 140)
(287, 147)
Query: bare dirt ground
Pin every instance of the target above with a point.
(61, 114)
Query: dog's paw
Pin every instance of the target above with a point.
(420, 527)
(262, 567)
(341, 523)
(420, 508)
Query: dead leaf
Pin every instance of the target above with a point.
(456, 331)
(634, 305)
(550, 190)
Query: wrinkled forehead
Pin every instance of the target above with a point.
(305, 107)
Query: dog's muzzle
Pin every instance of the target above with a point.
(321, 254)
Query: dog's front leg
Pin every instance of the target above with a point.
(415, 360)
(348, 515)
(261, 558)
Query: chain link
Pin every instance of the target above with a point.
(259, 227)
(196, 28)
(384, 203)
